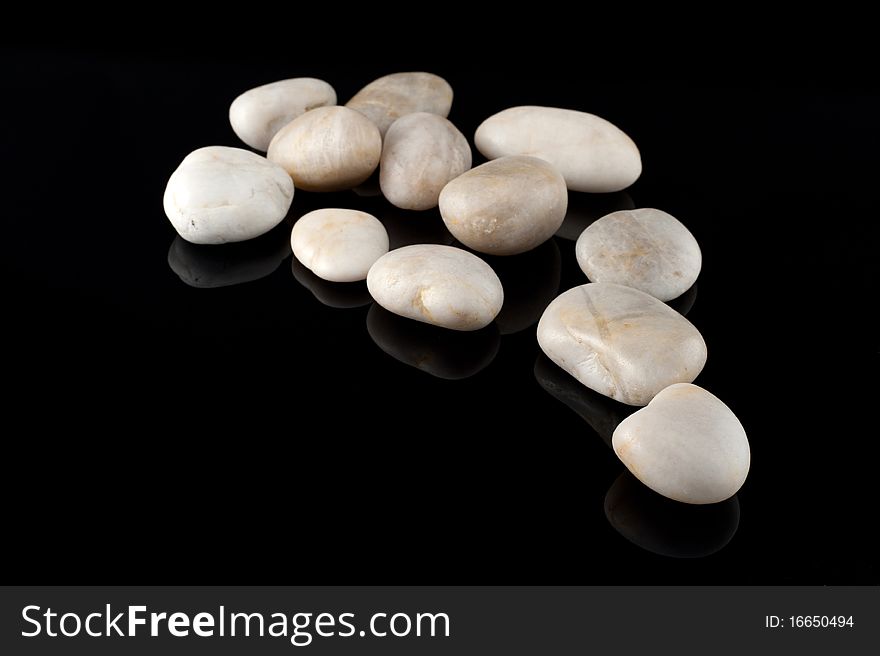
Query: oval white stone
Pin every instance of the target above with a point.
(647, 249)
(327, 149)
(686, 445)
(258, 114)
(591, 154)
(219, 195)
(506, 206)
(620, 342)
(440, 285)
(339, 245)
(385, 100)
(421, 153)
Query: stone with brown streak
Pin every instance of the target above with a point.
(620, 342)
(646, 248)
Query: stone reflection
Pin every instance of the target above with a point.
(583, 209)
(685, 302)
(406, 228)
(443, 353)
(342, 295)
(666, 527)
(531, 282)
(229, 264)
(600, 412)
(369, 188)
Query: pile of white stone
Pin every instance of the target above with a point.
(615, 335)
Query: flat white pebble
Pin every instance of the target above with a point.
(258, 114)
(686, 445)
(339, 245)
(620, 342)
(386, 99)
(421, 153)
(439, 285)
(327, 149)
(506, 206)
(219, 195)
(647, 249)
(592, 154)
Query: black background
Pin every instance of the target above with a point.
(161, 433)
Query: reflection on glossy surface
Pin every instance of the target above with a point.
(369, 188)
(531, 282)
(448, 354)
(229, 264)
(406, 228)
(600, 412)
(666, 527)
(685, 302)
(340, 295)
(583, 209)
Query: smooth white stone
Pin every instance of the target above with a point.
(258, 114)
(440, 285)
(686, 445)
(385, 100)
(506, 206)
(647, 249)
(421, 153)
(327, 149)
(620, 342)
(339, 245)
(592, 154)
(219, 195)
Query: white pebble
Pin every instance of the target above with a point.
(506, 206)
(385, 100)
(592, 154)
(327, 149)
(647, 249)
(686, 445)
(439, 285)
(219, 195)
(620, 342)
(258, 114)
(421, 153)
(339, 245)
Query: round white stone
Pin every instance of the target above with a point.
(620, 342)
(339, 245)
(385, 100)
(592, 154)
(421, 153)
(647, 249)
(686, 445)
(219, 195)
(327, 149)
(258, 114)
(506, 206)
(440, 285)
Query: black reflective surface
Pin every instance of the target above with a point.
(203, 415)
